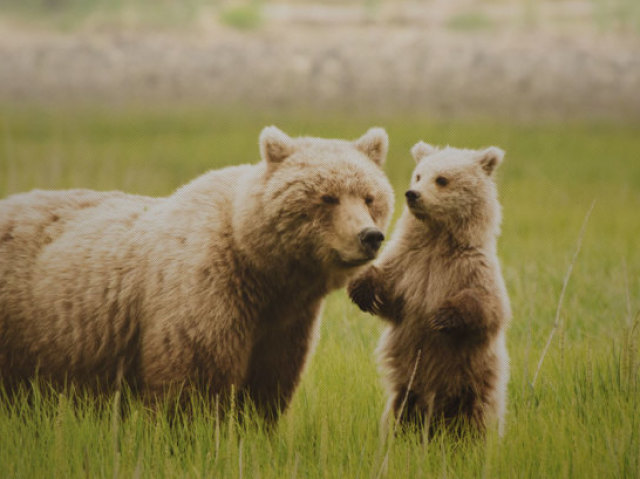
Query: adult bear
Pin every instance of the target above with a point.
(216, 288)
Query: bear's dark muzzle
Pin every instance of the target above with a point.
(412, 196)
(371, 239)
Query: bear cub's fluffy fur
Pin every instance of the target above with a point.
(439, 284)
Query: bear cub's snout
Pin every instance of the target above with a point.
(412, 196)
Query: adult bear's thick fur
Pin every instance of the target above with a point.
(216, 287)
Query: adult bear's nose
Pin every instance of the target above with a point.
(371, 238)
(412, 196)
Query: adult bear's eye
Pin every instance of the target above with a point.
(442, 181)
(330, 200)
(417, 177)
(368, 200)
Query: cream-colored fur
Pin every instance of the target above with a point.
(439, 284)
(215, 287)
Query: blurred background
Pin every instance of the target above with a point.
(515, 59)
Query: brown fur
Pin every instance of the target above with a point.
(438, 283)
(216, 287)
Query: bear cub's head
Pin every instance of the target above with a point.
(329, 200)
(454, 187)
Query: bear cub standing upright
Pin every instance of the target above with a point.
(439, 284)
(213, 289)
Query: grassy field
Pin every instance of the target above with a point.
(580, 419)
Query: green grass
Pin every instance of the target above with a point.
(77, 14)
(582, 418)
(470, 21)
(620, 16)
(246, 16)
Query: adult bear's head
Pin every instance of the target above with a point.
(321, 204)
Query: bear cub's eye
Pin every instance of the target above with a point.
(330, 200)
(417, 178)
(368, 200)
(442, 181)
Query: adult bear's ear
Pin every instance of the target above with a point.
(275, 145)
(422, 149)
(375, 144)
(490, 159)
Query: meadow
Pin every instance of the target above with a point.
(579, 417)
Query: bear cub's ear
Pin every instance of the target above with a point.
(490, 159)
(275, 145)
(422, 149)
(375, 144)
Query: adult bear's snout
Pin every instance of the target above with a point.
(371, 238)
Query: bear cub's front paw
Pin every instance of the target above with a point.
(362, 292)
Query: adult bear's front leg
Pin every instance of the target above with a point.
(277, 361)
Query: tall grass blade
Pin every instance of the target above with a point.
(385, 462)
(556, 321)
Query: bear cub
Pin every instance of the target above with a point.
(440, 286)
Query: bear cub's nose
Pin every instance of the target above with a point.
(371, 238)
(412, 196)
